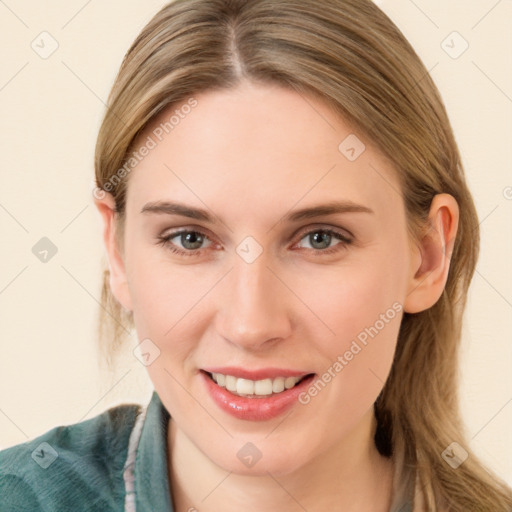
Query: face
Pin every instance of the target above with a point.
(258, 248)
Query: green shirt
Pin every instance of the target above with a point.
(116, 461)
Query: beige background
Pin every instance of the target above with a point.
(50, 113)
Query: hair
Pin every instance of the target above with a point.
(351, 56)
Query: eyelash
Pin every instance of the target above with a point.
(165, 241)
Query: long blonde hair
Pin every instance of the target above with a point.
(350, 55)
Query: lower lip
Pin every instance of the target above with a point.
(255, 409)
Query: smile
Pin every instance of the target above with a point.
(254, 388)
(268, 394)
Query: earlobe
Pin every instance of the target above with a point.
(118, 277)
(431, 261)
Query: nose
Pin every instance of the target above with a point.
(253, 312)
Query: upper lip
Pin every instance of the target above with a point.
(255, 374)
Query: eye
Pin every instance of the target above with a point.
(325, 240)
(321, 241)
(185, 242)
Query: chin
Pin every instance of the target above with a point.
(253, 459)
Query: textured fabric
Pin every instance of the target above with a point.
(403, 493)
(81, 467)
(114, 462)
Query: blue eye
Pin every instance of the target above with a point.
(320, 240)
(191, 242)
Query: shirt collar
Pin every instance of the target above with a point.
(151, 470)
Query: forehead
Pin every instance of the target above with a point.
(258, 147)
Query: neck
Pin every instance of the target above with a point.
(350, 477)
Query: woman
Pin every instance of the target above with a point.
(289, 231)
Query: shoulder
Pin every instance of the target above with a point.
(70, 466)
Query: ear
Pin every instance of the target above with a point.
(118, 278)
(431, 257)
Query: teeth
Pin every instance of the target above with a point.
(221, 379)
(246, 387)
(290, 382)
(230, 382)
(263, 387)
(278, 385)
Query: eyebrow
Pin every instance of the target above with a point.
(330, 208)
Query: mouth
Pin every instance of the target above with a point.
(262, 388)
(267, 395)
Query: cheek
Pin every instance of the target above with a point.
(363, 306)
(168, 308)
(164, 294)
(354, 297)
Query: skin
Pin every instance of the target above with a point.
(249, 156)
